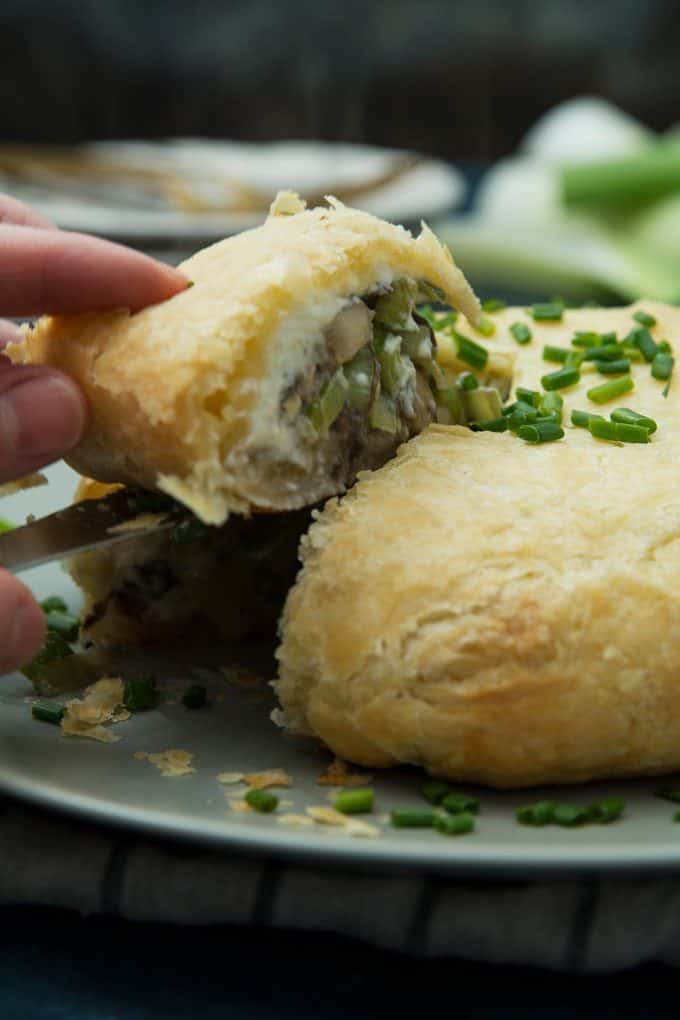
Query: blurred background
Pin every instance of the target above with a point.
(475, 89)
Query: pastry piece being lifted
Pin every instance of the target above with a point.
(295, 359)
(498, 611)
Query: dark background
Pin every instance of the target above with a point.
(461, 80)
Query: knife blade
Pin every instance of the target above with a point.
(87, 525)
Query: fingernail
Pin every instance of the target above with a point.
(24, 628)
(41, 416)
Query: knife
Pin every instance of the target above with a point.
(91, 524)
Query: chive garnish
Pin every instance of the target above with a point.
(5, 526)
(551, 353)
(54, 604)
(582, 418)
(47, 713)
(606, 811)
(485, 326)
(560, 379)
(412, 818)
(667, 794)
(529, 396)
(541, 431)
(539, 814)
(569, 815)
(434, 790)
(628, 417)
(644, 318)
(454, 825)
(643, 339)
(617, 367)
(468, 381)
(662, 366)
(665, 347)
(618, 432)
(551, 406)
(610, 390)
(490, 425)
(548, 311)
(195, 696)
(586, 340)
(54, 647)
(62, 623)
(354, 802)
(262, 801)
(469, 351)
(140, 693)
(664, 391)
(523, 414)
(493, 305)
(521, 332)
(457, 803)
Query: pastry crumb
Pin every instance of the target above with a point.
(240, 806)
(228, 778)
(174, 762)
(271, 777)
(350, 826)
(339, 774)
(293, 821)
(103, 703)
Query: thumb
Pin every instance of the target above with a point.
(23, 624)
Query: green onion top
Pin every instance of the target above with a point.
(521, 332)
(140, 693)
(493, 305)
(586, 340)
(582, 418)
(469, 351)
(468, 381)
(616, 367)
(618, 432)
(485, 326)
(643, 339)
(5, 526)
(529, 396)
(644, 318)
(46, 712)
(434, 790)
(262, 801)
(551, 353)
(412, 818)
(542, 431)
(354, 802)
(54, 604)
(491, 425)
(662, 366)
(628, 417)
(454, 825)
(455, 803)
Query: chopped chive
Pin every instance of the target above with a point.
(548, 311)
(54, 604)
(664, 391)
(574, 359)
(644, 318)
(195, 696)
(354, 802)
(606, 811)
(582, 418)
(551, 353)
(521, 332)
(490, 425)
(618, 432)
(610, 390)
(614, 367)
(529, 396)
(493, 305)
(570, 815)
(662, 366)
(608, 338)
(47, 713)
(665, 347)
(412, 818)
(468, 381)
(552, 405)
(434, 790)
(522, 414)
(62, 623)
(447, 320)
(608, 352)
(469, 351)
(541, 432)
(454, 825)
(140, 693)
(586, 340)
(540, 813)
(262, 800)
(628, 417)
(560, 379)
(485, 326)
(457, 803)
(667, 794)
(54, 647)
(643, 339)
(5, 526)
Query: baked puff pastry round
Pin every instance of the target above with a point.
(500, 612)
(294, 360)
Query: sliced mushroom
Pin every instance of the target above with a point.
(349, 331)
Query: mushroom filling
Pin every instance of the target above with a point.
(377, 376)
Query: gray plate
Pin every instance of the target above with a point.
(105, 782)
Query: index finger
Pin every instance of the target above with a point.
(56, 271)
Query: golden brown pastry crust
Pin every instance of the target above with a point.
(171, 388)
(499, 612)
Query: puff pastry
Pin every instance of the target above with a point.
(499, 612)
(293, 361)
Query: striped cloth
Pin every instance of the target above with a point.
(579, 926)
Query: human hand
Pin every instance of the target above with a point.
(42, 411)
